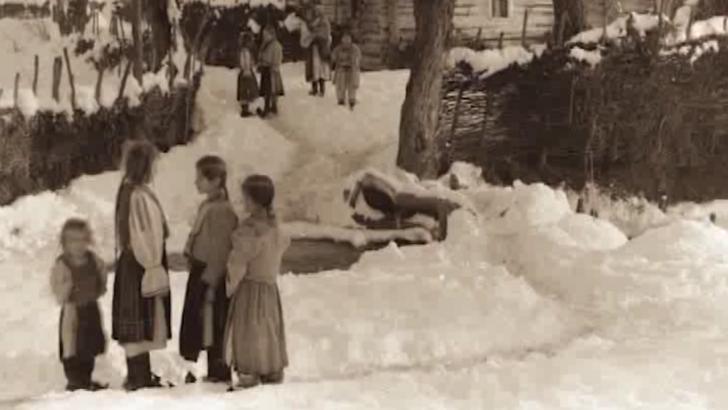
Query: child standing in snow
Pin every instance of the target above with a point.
(207, 249)
(247, 84)
(78, 280)
(269, 64)
(255, 341)
(345, 59)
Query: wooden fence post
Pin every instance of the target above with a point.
(124, 78)
(605, 17)
(35, 76)
(57, 72)
(562, 29)
(525, 27)
(71, 81)
(16, 90)
(688, 34)
(99, 81)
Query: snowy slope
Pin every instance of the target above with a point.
(525, 306)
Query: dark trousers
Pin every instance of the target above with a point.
(78, 371)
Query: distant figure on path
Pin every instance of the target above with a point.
(269, 64)
(78, 280)
(207, 250)
(317, 41)
(141, 306)
(255, 340)
(248, 90)
(346, 59)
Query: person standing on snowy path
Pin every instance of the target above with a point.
(345, 60)
(269, 64)
(316, 39)
(78, 280)
(207, 250)
(247, 84)
(255, 339)
(141, 305)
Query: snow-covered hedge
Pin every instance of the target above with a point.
(49, 148)
(639, 113)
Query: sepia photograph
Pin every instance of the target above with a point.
(364, 204)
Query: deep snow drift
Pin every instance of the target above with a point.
(525, 306)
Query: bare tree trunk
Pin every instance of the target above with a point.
(419, 152)
(571, 14)
(136, 33)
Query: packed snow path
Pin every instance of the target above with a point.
(568, 314)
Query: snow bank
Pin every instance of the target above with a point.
(618, 28)
(593, 58)
(491, 61)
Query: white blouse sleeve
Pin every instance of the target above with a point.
(146, 228)
(61, 283)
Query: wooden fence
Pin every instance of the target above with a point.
(639, 123)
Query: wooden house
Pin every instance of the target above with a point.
(386, 27)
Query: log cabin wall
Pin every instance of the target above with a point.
(387, 25)
(382, 27)
(594, 9)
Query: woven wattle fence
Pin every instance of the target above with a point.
(641, 122)
(50, 149)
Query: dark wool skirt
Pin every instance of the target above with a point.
(270, 82)
(191, 330)
(247, 88)
(132, 316)
(255, 337)
(90, 339)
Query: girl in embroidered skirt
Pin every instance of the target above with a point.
(207, 250)
(247, 84)
(141, 313)
(269, 64)
(255, 341)
(78, 280)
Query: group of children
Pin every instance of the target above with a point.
(344, 60)
(232, 307)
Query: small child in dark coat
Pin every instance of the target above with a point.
(78, 280)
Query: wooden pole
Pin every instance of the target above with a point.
(35, 75)
(604, 20)
(99, 81)
(525, 27)
(16, 90)
(57, 72)
(71, 81)
(136, 33)
(562, 29)
(688, 34)
(124, 78)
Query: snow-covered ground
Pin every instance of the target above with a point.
(525, 306)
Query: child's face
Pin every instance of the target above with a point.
(76, 242)
(346, 40)
(205, 186)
